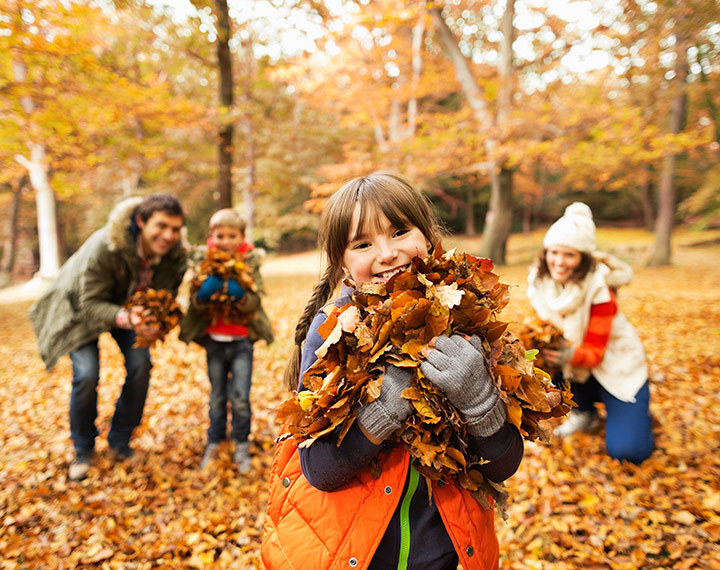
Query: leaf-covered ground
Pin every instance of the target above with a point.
(570, 505)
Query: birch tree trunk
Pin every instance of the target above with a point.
(665, 220)
(498, 219)
(418, 33)
(45, 204)
(44, 195)
(248, 129)
(225, 133)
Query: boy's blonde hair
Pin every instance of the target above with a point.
(227, 217)
(379, 193)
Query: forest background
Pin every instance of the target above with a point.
(502, 111)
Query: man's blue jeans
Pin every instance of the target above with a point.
(230, 371)
(83, 397)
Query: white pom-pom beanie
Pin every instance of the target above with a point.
(575, 229)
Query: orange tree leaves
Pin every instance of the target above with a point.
(226, 266)
(447, 293)
(160, 310)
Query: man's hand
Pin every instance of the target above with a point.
(122, 319)
(141, 328)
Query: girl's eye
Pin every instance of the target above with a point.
(361, 245)
(400, 232)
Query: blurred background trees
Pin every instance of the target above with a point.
(502, 110)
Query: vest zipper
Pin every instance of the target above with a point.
(405, 519)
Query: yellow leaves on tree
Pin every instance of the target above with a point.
(226, 266)
(160, 311)
(395, 323)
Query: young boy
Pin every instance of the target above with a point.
(229, 345)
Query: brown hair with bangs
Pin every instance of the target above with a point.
(379, 193)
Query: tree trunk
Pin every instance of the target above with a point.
(45, 203)
(470, 211)
(646, 201)
(665, 221)
(499, 216)
(498, 220)
(10, 247)
(225, 134)
(250, 185)
(418, 33)
(248, 128)
(527, 217)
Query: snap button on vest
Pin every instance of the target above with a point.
(286, 482)
(470, 550)
(353, 562)
(388, 490)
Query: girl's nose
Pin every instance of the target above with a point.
(386, 251)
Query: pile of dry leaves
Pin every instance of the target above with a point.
(538, 335)
(226, 266)
(395, 323)
(160, 312)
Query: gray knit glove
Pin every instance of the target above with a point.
(457, 367)
(386, 414)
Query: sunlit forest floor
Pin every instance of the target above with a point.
(570, 505)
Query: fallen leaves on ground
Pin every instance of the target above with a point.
(572, 508)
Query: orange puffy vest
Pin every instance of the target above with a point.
(309, 529)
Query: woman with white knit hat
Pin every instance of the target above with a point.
(573, 286)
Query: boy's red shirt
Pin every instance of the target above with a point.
(221, 326)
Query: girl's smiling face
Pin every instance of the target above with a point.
(562, 262)
(379, 250)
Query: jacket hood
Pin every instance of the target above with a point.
(119, 221)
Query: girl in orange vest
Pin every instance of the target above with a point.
(326, 509)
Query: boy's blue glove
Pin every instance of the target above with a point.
(235, 290)
(211, 285)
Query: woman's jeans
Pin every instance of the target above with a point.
(628, 429)
(83, 397)
(230, 371)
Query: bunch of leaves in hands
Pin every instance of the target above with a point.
(395, 323)
(160, 312)
(536, 336)
(225, 266)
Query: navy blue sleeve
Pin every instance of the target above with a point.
(503, 449)
(325, 464)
